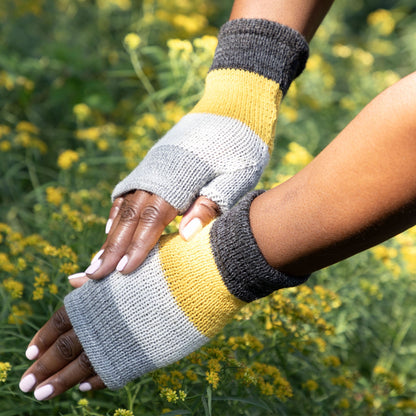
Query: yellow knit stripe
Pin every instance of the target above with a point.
(195, 282)
(245, 96)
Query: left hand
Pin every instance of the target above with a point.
(60, 362)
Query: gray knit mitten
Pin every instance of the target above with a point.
(221, 147)
(181, 296)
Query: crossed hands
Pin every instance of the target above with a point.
(136, 221)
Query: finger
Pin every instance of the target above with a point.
(92, 383)
(120, 236)
(78, 279)
(57, 325)
(155, 215)
(113, 213)
(72, 374)
(201, 213)
(63, 351)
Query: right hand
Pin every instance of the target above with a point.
(135, 224)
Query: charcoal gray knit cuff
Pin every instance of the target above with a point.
(243, 267)
(268, 48)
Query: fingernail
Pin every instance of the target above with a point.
(32, 352)
(97, 256)
(192, 229)
(77, 275)
(93, 267)
(43, 392)
(122, 263)
(26, 383)
(108, 225)
(85, 386)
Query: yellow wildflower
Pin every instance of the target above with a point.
(311, 385)
(213, 378)
(81, 111)
(67, 158)
(38, 293)
(363, 57)
(191, 375)
(4, 130)
(54, 195)
(4, 369)
(5, 146)
(344, 403)
(90, 133)
(332, 361)
(208, 43)
(132, 41)
(14, 287)
(406, 404)
(192, 23)
(382, 20)
(170, 395)
(342, 51)
(53, 289)
(83, 402)
(68, 268)
(27, 127)
(297, 155)
(123, 412)
(290, 113)
(19, 313)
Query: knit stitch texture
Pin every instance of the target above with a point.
(181, 296)
(222, 146)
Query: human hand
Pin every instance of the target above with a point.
(60, 362)
(135, 224)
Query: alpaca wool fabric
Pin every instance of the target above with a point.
(181, 296)
(220, 149)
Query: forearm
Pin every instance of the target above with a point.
(358, 192)
(305, 16)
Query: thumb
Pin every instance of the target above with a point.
(200, 213)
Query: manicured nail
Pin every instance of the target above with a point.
(85, 386)
(43, 392)
(93, 267)
(192, 229)
(32, 352)
(26, 383)
(77, 275)
(108, 225)
(97, 256)
(122, 263)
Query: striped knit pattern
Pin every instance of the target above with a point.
(181, 296)
(222, 146)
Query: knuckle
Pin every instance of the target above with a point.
(137, 244)
(150, 214)
(210, 207)
(128, 212)
(85, 363)
(41, 369)
(60, 321)
(66, 348)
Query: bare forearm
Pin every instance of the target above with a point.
(302, 15)
(358, 192)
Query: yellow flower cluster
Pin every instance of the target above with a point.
(67, 158)
(4, 369)
(123, 412)
(297, 155)
(172, 396)
(14, 287)
(383, 21)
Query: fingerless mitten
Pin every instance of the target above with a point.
(222, 146)
(182, 295)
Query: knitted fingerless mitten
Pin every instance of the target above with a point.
(221, 147)
(182, 295)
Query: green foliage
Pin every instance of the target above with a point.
(86, 88)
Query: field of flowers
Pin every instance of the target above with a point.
(86, 88)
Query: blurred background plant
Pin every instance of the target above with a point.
(86, 88)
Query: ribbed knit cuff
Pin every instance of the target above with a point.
(267, 48)
(243, 267)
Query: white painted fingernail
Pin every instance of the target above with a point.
(44, 392)
(108, 225)
(192, 229)
(85, 386)
(32, 352)
(93, 267)
(122, 263)
(97, 256)
(77, 275)
(26, 383)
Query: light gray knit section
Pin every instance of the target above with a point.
(203, 154)
(130, 324)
